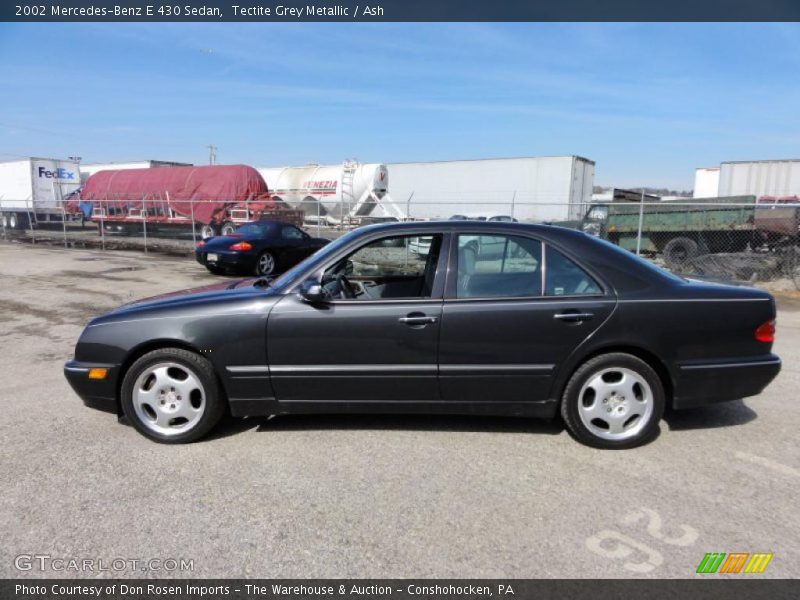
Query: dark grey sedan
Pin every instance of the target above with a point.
(482, 318)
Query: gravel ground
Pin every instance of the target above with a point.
(380, 496)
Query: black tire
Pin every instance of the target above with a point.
(227, 228)
(679, 251)
(215, 270)
(201, 368)
(260, 268)
(571, 402)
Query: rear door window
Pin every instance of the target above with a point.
(498, 266)
(565, 278)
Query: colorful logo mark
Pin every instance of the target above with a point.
(735, 562)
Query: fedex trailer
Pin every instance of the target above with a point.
(33, 190)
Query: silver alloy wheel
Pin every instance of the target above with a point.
(228, 228)
(206, 232)
(168, 398)
(615, 403)
(266, 263)
(12, 221)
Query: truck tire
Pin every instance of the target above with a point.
(679, 251)
(227, 228)
(208, 231)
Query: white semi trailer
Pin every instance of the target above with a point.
(543, 188)
(774, 178)
(89, 169)
(332, 194)
(32, 190)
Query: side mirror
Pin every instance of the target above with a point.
(312, 291)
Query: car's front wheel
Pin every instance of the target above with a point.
(172, 396)
(613, 401)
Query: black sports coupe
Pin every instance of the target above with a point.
(438, 317)
(260, 247)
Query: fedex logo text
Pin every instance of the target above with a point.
(60, 173)
(735, 562)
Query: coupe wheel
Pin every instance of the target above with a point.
(613, 401)
(265, 264)
(172, 396)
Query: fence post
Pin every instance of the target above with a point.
(408, 206)
(103, 225)
(194, 234)
(30, 214)
(318, 219)
(64, 223)
(144, 223)
(513, 202)
(641, 221)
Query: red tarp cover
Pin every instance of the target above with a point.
(209, 188)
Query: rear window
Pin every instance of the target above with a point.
(262, 229)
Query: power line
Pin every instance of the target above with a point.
(212, 154)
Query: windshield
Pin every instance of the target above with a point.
(263, 229)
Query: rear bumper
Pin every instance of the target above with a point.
(702, 383)
(227, 260)
(95, 393)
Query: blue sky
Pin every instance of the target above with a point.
(647, 102)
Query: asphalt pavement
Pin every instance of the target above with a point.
(363, 496)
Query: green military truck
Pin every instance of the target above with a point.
(681, 230)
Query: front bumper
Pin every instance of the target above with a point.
(703, 383)
(227, 259)
(95, 393)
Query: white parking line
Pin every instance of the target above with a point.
(770, 464)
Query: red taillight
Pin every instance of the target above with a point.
(241, 246)
(200, 244)
(766, 332)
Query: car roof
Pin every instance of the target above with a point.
(456, 225)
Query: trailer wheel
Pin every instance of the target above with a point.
(17, 221)
(679, 251)
(207, 231)
(4, 221)
(227, 228)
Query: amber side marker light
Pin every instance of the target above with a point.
(98, 373)
(766, 332)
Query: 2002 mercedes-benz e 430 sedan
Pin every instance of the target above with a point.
(448, 317)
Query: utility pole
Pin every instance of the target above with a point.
(212, 154)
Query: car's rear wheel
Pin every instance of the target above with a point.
(613, 401)
(265, 263)
(172, 396)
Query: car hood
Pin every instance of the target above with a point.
(217, 291)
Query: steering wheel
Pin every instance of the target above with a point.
(347, 290)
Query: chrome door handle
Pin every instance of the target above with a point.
(422, 320)
(576, 316)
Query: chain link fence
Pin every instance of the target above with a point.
(739, 239)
